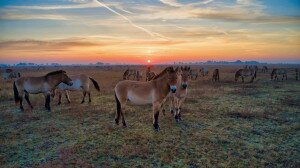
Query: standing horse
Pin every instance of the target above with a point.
(10, 74)
(203, 71)
(80, 82)
(128, 73)
(216, 75)
(34, 85)
(149, 74)
(179, 97)
(193, 74)
(245, 73)
(264, 69)
(152, 92)
(276, 72)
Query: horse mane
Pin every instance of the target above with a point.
(163, 72)
(54, 73)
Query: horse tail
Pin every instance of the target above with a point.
(118, 105)
(16, 93)
(255, 74)
(95, 84)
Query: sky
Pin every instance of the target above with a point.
(135, 31)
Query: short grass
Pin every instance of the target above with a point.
(225, 124)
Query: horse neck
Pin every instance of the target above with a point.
(162, 85)
(53, 81)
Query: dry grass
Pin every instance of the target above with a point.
(225, 124)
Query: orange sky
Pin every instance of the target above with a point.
(89, 31)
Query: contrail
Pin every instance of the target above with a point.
(153, 34)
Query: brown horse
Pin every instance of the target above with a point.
(216, 75)
(245, 73)
(80, 82)
(136, 75)
(277, 71)
(179, 97)
(152, 92)
(149, 74)
(34, 85)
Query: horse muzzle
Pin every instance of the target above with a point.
(173, 88)
(70, 83)
(184, 85)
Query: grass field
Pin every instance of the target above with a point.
(225, 124)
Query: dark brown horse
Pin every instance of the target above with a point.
(34, 85)
(216, 75)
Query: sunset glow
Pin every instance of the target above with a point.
(160, 31)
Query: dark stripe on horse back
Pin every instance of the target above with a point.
(55, 73)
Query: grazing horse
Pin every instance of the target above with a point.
(149, 75)
(34, 85)
(277, 71)
(264, 69)
(10, 74)
(152, 92)
(216, 75)
(179, 97)
(80, 82)
(193, 74)
(245, 73)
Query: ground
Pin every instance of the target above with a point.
(225, 124)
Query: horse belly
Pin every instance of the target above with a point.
(139, 100)
(33, 89)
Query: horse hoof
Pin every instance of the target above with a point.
(124, 126)
(82, 102)
(117, 121)
(177, 118)
(172, 111)
(156, 127)
(59, 103)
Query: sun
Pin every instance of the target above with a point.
(149, 61)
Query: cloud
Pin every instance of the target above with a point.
(15, 16)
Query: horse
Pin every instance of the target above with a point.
(140, 93)
(128, 73)
(34, 85)
(181, 93)
(10, 74)
(216, 75)
(276, 72)
(203, 71)
(193, 74)
(149, 74)
(80, 82)
(264, 69)
(245, 73)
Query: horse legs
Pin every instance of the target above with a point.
(59, 98)
(67, 96)
(84, 94)
(27, 99)
(156, 109)
(89, 94)
(179, 108)
(21, 103)
(47, 102)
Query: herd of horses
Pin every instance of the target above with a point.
(169, 86)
